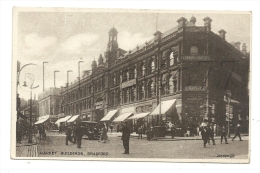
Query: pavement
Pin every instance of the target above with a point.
(25, 149)
(54, 146)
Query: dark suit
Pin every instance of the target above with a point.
(223, 134)
(79, 134)
(211, 134)
(237, 133)
(205, 136)
(125, 138)
(68, 136)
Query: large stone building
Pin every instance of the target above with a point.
(187, 69)
(49, 103)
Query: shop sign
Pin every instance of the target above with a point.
(99, 105)
(196, 58)
(194, 88)
(128, 83)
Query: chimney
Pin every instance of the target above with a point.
(181, 23)
(222, 34)
(244, 48)
(237, 45)
(207, 23)
(193, 20)
(157, 36)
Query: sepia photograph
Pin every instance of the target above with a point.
(131, 85)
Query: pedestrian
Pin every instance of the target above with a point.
(41, 131)
(140, 132)
(210, 132)
(173, 129)
(68, 135)
(74, 134)
(237, 132)
(223, 132)
(111, 128)
(79, 134)
(126, 137)
(204, 135)
(104, 133)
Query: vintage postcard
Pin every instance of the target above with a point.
(131, 85)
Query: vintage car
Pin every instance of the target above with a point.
(90, 129)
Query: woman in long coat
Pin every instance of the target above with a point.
(103, 135)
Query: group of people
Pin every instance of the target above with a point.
(74, 135)
(207, 133)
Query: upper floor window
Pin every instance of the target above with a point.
(143, 70)
(151, 68)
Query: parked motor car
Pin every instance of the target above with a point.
(91, 130)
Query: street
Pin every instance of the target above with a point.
(54, 146)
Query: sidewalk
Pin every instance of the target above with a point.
(177, 138)
(26, 149)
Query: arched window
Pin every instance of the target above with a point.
(150, 89)
(114, 79)
(143, 70)
(152, 66)
(132, 96)
(141, 91)
(173, 58)
(127, 75)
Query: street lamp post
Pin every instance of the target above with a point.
(43, 74)
(55, 78)
(79, 82)
(67, 86)
(228, 93)
(31, 77)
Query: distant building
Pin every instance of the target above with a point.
(25, 109)
(49, 103)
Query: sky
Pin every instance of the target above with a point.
(62, 38)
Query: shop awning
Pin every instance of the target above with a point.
(165, 106)
(122, 117)
(42, 119)
(72, 119)
(61, 120)
(109, 115)
(137, 116)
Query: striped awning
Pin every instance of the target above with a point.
(140, 115)
(122, 117)
(72, 119)
(64, 119)
(163, 107)
(109, 115)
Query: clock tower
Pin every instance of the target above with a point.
(112, 46)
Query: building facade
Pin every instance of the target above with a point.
(49, 103)
(188, 64)
(25, 109)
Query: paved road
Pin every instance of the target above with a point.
(55, 146)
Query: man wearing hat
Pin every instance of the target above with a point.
(237, 132)
(125, 137)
